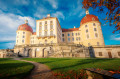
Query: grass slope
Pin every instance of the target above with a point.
(66, 64)
(13, 68)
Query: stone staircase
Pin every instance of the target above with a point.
(70, 51)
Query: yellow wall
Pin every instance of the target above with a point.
(92, 39)
(19, 37)
(77, 38)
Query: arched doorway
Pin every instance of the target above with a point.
(29, 53)
(45, 53)
(109, 54)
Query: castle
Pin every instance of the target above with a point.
(50, 40)
(49, 31)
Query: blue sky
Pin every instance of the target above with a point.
(69, 12)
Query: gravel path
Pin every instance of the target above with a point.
(40, 71)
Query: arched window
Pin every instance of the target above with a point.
(86, 26)
(98, 44)
(68, 34)
(94, 24)
(96, 35)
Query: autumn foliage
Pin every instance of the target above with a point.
(113, 13)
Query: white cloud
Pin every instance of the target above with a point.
(58, 14)
(82, 13)
(115, 37)
(9, 24)
(53, 3)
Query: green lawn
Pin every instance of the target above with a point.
(13, 69)
(66, 64)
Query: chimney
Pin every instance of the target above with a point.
(48, 15)
(87, 12)
(74, 27)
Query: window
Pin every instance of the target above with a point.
(85, 25)
(86, 30)
(96, 35)
(87, 36)
(51, 32)
(45, 22)
(95, 29)
(23, 36)
(51, 22)
(118, 53)
(72, 34)
(89, 44)
(98, 44)
(18, 32)
(62, 35)
(76, 39)
(68, 39)
(79, 38)
(17, 36)
(45, 27)
(45, 33)
(22, 41)
(94, 24)
(76, 34)
(72, 39)
(23, 32)
(40, 28)
(51, 26)
(40, 23)
(51, 42)
(93, 18)
(100, 53)
(68, 34)
(63, 39)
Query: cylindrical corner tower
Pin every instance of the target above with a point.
(24, 32)
(91, 31)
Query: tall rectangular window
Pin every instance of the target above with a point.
(22, 41)
(23, 32)
(100, 53)
(45, 33)
(51, 26)
(45, 27)
(72, 39)
(96, 35)
(51, 22)
(85, 25)
(23, 36)
(40, 23)
(68, 34)
(76, 34)
(72, 34)
(45, 22)
(95, 29)
(51, 33)
(87, 36)
(98, 44)
(87, 31)
(94, 24)
(62, 35)
(76, 39)
(63, 39)
(69, 39)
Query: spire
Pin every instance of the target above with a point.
(87, 12)
(74, 27)
(26, 21)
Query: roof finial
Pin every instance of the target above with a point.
(87, 12)
(74, 27)
(26, 21)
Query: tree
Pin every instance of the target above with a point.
(113, 14)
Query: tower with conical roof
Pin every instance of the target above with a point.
(91, 30)
(24, 32)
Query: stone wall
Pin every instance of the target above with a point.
(107, 52)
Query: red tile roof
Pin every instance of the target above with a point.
(25, 27)
(89, 18)
(72, 29)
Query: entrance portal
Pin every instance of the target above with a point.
(109, 54)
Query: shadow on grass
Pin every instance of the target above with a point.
(4, 59)
(15, 70)
(83, 62)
